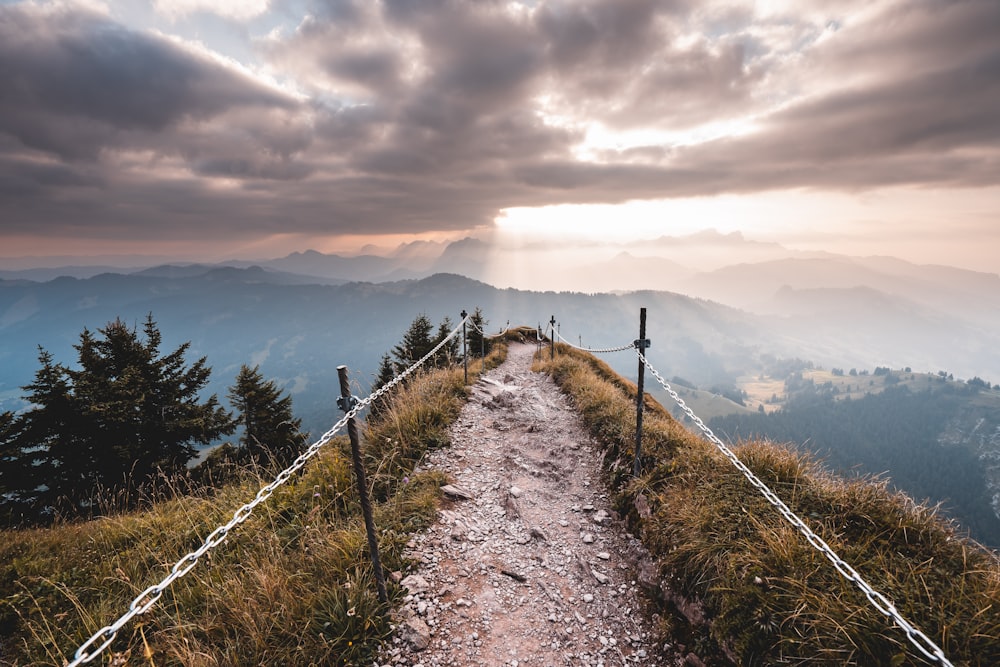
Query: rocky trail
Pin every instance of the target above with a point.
(527, 564)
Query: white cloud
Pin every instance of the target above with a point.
(240, 10)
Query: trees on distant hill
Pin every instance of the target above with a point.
(270, 430)
(418, 340)
(478, 343)
(125, 413)
(893, 433)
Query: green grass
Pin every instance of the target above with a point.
(293, 585)
(704, 403)
(770, 597)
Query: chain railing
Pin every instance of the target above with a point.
(102, 639)
(486, 335)
(595, 350)
(922, 642)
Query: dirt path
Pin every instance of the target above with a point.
(533, 567)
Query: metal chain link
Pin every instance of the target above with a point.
(605, 350)
(486, 335)
(923, 643)
(145, 600)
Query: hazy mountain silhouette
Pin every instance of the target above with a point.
(299, 333)
(834, 310)
(299, 330)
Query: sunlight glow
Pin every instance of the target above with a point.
(601, 138)
(937, 222)
(630, 221)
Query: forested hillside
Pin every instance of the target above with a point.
(899, 433)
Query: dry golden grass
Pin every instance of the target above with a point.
(770, 597)
(293, 585)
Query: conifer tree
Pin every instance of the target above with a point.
(416, 343)
(54, 441)
(386, 371)
(18, 481)
(419, 339)
(479, 345)
(270, 430)
(451, 351)
(143, 407)
(123, 414)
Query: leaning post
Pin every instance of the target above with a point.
(552, 338)
(465, 350)
(346, 403)
(641, 344)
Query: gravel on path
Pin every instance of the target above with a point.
(527, 564)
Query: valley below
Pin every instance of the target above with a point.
(741, 341)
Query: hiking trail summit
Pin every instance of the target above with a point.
(527, 563)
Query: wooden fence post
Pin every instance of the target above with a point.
(552, 338)
(641, 344)
(465, 349)
(346, 403)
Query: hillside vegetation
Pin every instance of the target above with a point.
(292, 586)
(901, 433)
(749, 585)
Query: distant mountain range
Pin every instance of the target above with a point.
(299, 332)
(299, 327)
(833, 310)
(301, 316)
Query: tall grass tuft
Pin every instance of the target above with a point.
(766, 595)
(292, 586)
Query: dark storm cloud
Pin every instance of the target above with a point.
(75, 83)
(928, 88)
(926, 113)
(624, 63)
(434, 115)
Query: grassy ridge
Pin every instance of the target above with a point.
(768, 596)
(292, 586)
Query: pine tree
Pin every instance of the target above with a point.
(62, 459)
(123, 414)
(18, 481)
(386, 371)
(270, 430)
(479, 345)
(451, 351)
(416, 343)
(144, 407)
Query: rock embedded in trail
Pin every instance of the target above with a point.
(505, 576)
(457, 492)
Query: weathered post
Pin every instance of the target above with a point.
(465, 351)
(552, 338)
(641, 344)
(346, 403)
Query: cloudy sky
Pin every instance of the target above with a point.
(251, 128)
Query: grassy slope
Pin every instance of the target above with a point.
(291, 586)
(704, 403)
(770, 597)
